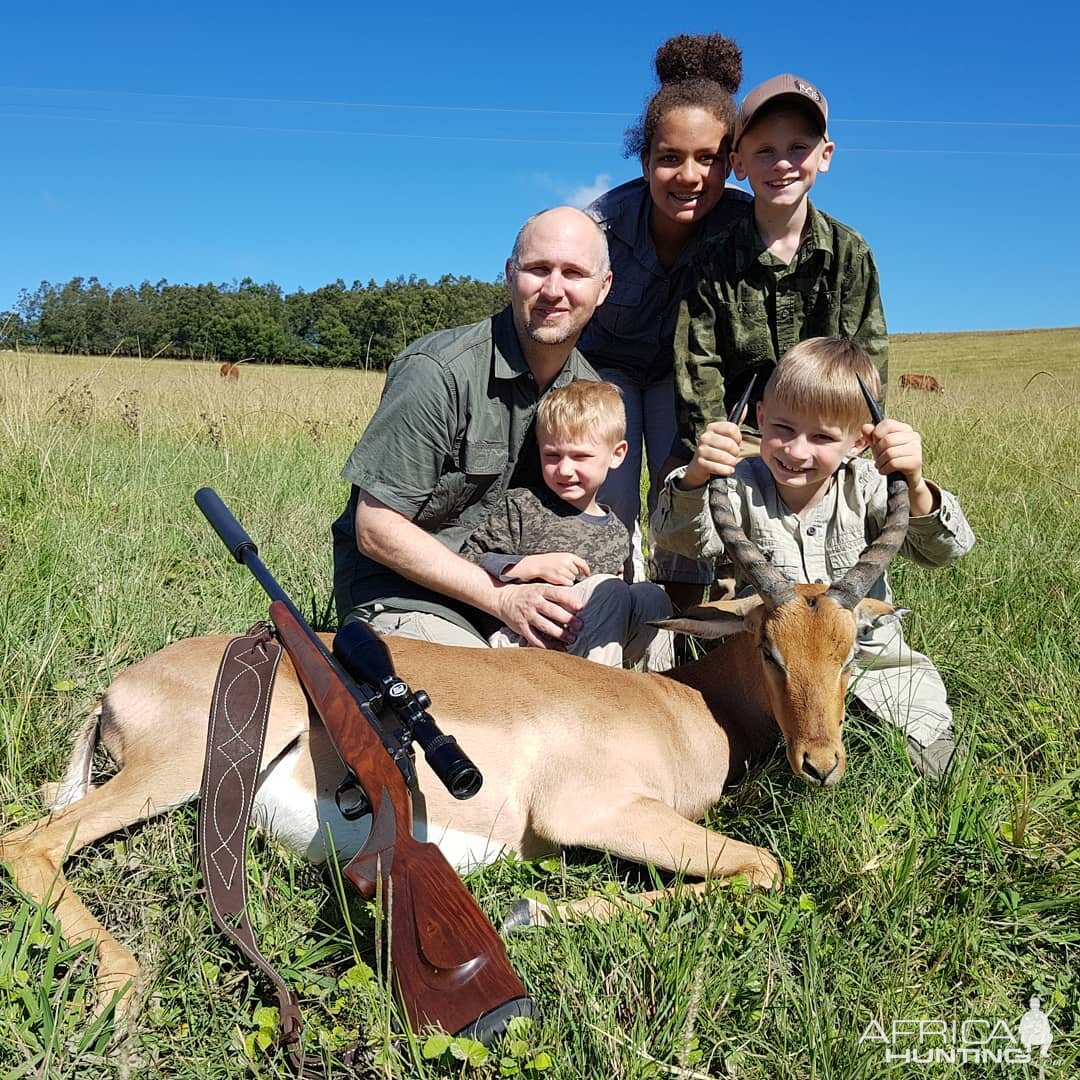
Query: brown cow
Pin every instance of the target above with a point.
(229, 371)
(921, 382)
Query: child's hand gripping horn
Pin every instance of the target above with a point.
(856, 583)
(877, 416)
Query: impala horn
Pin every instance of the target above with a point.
(774, 587)
(856, 583)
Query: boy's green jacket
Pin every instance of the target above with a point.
(745, 308)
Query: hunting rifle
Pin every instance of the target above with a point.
(449, 965)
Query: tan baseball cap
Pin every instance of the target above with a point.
(781, 86)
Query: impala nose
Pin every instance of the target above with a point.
(820, 772)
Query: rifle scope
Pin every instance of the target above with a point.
(365, 657)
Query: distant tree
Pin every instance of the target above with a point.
(188, 313)
(13, 331)
(363, 324)
(77, 317)
(29, 304)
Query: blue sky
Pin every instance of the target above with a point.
(303, 143)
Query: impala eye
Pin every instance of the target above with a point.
(771, 657)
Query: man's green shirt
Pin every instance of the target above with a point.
(454, 430)
(745, 308)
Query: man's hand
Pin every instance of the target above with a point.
(897, 447)
(544, 615)
(554, 567)
(717, 454)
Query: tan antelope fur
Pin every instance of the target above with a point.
(572, 753)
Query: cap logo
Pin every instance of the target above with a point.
(807, 89)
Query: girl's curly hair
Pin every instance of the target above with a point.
(695, 71)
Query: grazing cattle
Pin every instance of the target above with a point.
(229, 371)
(921, 382)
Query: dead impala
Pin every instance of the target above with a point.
(572, 753)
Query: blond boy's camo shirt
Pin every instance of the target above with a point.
(745, 308)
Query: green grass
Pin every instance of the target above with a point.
(905, 901)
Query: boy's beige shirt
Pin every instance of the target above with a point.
(820, 547)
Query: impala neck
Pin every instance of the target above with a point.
(729, 680)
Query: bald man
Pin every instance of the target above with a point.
(453, 431)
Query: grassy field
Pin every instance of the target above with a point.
(906, 901)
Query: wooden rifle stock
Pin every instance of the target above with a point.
(448, 962)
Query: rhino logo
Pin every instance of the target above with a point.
(1035, 1030)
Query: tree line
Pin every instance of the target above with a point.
(361, 325)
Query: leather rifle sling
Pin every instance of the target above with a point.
(239, 710)
(234, 744)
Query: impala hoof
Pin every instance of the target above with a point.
(523, 915)
(766, 873)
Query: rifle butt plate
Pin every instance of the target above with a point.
(492, 1024)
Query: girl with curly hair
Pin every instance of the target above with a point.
(654, 225)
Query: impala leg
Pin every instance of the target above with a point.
(36, 853)
(648, 831)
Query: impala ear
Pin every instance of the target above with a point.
(718, 619)
(870, 613)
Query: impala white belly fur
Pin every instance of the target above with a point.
(285, 809)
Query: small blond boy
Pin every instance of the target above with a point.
(561, 534)
(812, 506)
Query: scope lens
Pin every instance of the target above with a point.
(461, 777)
(466, 782)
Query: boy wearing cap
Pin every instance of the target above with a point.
(782, 274)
